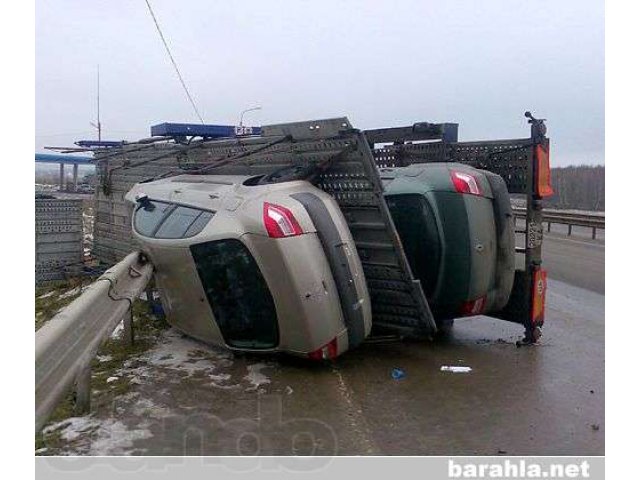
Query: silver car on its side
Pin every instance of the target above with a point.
(253, 266)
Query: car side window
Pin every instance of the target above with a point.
(164, 220)
(198, 224)
(177, 223)
(148, 217)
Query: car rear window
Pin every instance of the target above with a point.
(149, 216)
(164, 220)
(237, 293)
(418, 230)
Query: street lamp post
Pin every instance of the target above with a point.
(248, 110)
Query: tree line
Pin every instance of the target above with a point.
(577, 187)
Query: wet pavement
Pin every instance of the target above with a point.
(184, 397)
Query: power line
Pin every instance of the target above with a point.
(175, 65)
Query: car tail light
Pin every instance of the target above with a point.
(279, 221)
(538, 294)
(327, 352)
(465, 183)
(473, 307)
(543, 171)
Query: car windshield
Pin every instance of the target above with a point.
(237, 293)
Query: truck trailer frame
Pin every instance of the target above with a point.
(344, 162)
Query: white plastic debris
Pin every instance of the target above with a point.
(455, 369)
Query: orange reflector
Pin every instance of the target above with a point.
(539, 290)
(543, 169)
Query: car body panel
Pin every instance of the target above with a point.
(296, 269)
(476, 258)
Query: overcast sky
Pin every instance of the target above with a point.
(383, 63)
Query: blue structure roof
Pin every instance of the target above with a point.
(59, 158)
(199, 130)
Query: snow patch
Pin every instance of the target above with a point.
(255, 377)
(118, 330)
(98, 437)
(114, 438)
(71, 293)
(177, 352)
(146, 408)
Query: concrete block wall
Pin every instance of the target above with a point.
(59, 238)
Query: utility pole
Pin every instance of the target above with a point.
(98, 125)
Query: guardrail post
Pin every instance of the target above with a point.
(593, 233)
(129, 333)
(569, 230)
(83, 391)
(548, 226)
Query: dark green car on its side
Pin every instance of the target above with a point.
(456, 226)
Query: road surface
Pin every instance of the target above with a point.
(575, 260)
(184, 397)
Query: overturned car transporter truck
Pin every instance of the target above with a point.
(283, 238)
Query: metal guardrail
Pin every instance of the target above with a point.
(595, 221)
(66, 345)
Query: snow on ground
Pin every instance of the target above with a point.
(255, 377)
(145, 407)
(117, 332)
(131, 415)
(178, 354)
(70, 293)
(92, 436)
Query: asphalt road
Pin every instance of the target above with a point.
(187, 398)
(575, 260)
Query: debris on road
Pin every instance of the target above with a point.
(398, 374)
(455, 369)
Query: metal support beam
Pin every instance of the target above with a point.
(61, 177)
(75, 177)
(83, 391)
(128, 334)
